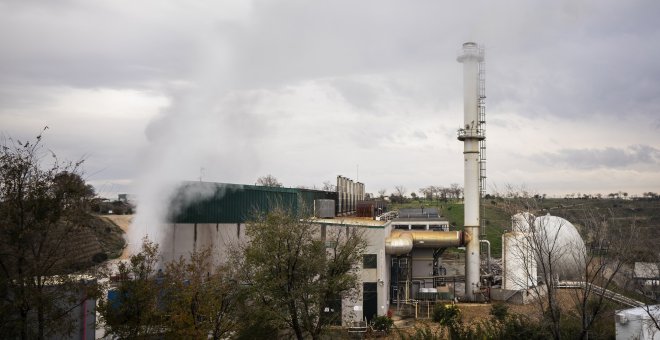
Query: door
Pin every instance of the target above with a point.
(369, 299)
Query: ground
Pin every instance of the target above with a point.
(112, 236)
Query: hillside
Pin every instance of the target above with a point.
(644, 213)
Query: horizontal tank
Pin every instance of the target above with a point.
(402, 242)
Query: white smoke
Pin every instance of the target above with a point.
(207, 133)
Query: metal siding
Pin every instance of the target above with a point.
(233, 203)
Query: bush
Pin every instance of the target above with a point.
(99, 257)
(499, 311)
(446, 315)
(382, 324)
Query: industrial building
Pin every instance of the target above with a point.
(401, 263)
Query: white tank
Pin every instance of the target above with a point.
(566, 245)
(518, 262)
(555, 238)
(520, 221)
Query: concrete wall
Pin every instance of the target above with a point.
(375, 237)
(184, 238)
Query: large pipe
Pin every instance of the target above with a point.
(470, 135)
(401, 242)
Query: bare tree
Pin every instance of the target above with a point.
(328, 186)
(602, 262)
(381, 193)
(427, 192)
(539, 255)
(268, 181)
(589, 271)
(456, 190)
(400, 190)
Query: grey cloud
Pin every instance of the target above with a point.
(420, 135)
(562, 59)
(358, 94)
(90, 44)
(609, 157)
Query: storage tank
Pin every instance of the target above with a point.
(518, 262)
(556, 238)
(637, 323)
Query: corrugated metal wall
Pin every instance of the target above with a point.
(200, 202)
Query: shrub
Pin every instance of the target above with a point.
(382, 323)
(499, 311)
(446, 315)
(99, 257)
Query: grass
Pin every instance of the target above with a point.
(496, 219)
(644, 213)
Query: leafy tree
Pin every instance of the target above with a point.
(40, 208)
(268, 181)
(190, 299)
(134, 311)
(291, 275)
(200, 298)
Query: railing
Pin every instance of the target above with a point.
(471, 133)
(390, 215)
(606, 293)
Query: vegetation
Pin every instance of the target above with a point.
(292, 279)
(502, 325)
(41, 208)
(499, 311)
(284, 279)
(446, 315)
(496, 218)
(382, 324)
(190, 299)
(268, 181)
(133, 308)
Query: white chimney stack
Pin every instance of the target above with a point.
(471, 134)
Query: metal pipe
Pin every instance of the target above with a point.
(402, 242)
(488, 259)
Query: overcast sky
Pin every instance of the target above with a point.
(308, 90)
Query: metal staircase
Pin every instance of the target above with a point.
(482, 143)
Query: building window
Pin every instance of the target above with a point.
(370, 261)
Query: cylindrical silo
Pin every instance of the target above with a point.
(518, 261)
(340, 196)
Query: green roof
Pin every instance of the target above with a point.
(204, 202)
